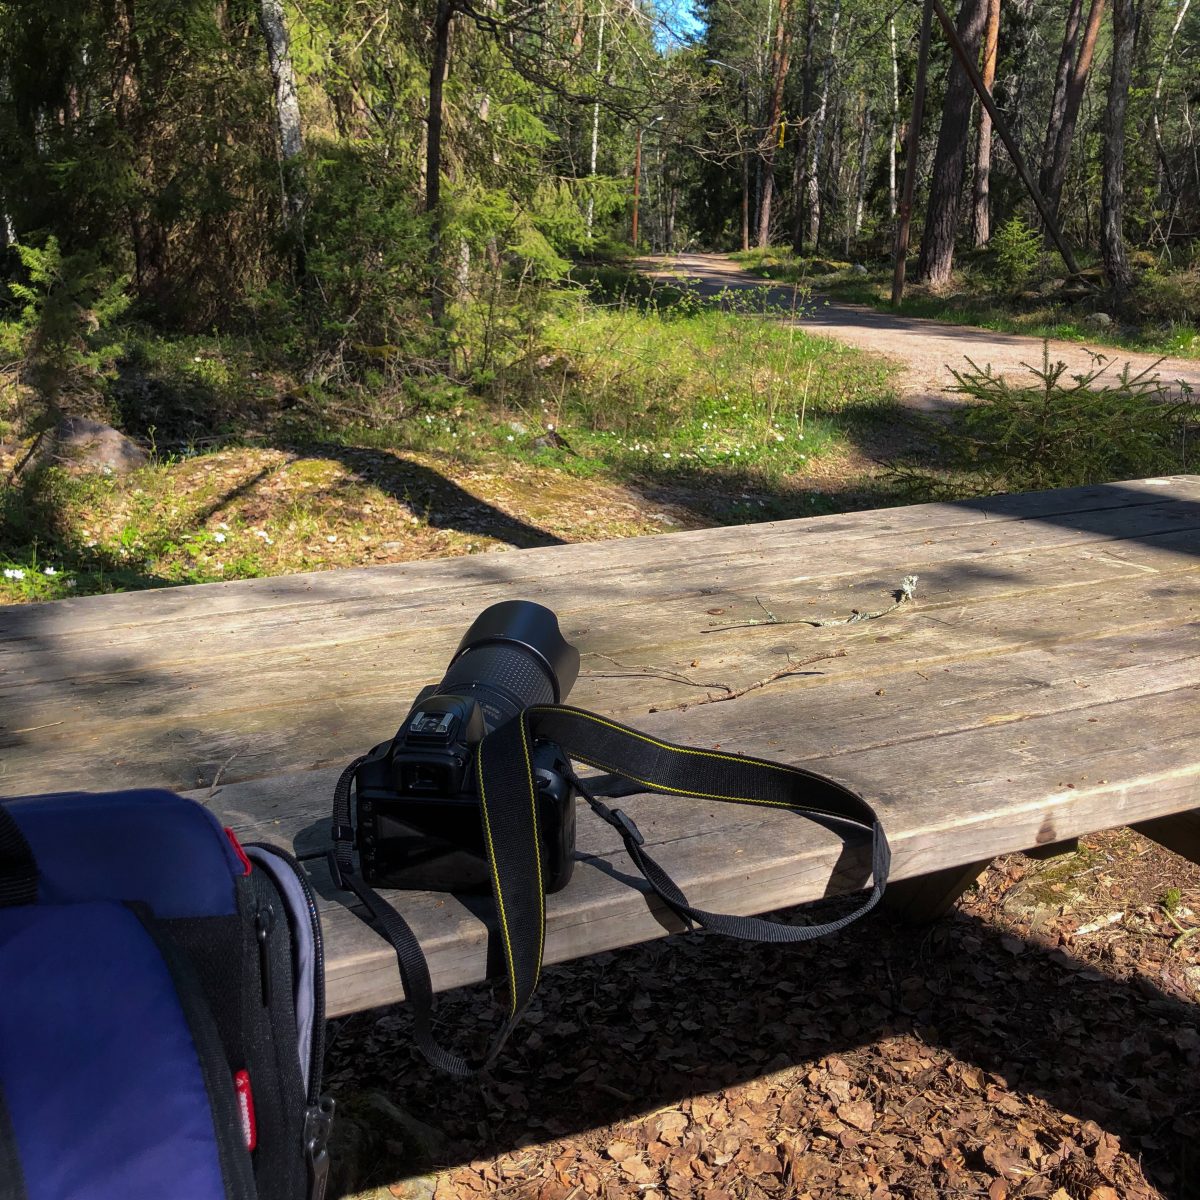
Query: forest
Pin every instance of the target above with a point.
(322, 229)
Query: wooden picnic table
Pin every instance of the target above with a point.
(1044, 683)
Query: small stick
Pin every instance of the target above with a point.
(649, 672)
(791, 669)
(212, 790)
(903, 594)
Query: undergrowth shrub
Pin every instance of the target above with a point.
(1066, 432)
(1018, 253)
(62, 342)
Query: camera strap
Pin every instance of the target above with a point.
(508, 797)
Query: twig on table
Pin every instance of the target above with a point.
(648, 672)
(793, 668)
(903, 594)
(212, 788)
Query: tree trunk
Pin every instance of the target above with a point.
(800, 166)
(287, 102)
(145, 233)
(864, 147)
(1076, 84)
(1167, 174)
(941, 218)
(1112, 189)
(591, 203)
(818, 134)
(1058, 101)
(433, 157)
(895, 133)
(287, 116)
(983, 150)
(780, 61)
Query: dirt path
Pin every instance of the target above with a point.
(921, 348)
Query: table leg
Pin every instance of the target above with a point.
(927, 897)
(1053, 849)
(1180, 833)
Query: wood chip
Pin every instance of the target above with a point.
(858, 1113)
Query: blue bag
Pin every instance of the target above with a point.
(161, 1007)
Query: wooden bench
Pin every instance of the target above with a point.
(1045, 683)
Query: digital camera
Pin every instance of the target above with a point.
(418, 816)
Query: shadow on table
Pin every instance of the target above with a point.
(632, 1032)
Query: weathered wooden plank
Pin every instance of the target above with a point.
(393, 671)
(684, 560)
(613, 626)
(405, 662)
(961, 798)
(279, 721)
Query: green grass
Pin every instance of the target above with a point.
(702, 391)
(1164, 315)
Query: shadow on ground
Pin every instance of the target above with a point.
(637, 1031)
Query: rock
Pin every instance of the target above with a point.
(1099, 320)
(83, 446)
(858, 269)
(558, 362)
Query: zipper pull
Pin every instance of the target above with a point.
(318, 1122)
(264, 922)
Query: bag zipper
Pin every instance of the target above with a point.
(318, 1115)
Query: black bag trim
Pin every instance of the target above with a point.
(508, 812)
(12, 1178)
(18, 870)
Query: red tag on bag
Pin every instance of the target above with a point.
(245, 1099)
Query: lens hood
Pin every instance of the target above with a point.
(533, 627)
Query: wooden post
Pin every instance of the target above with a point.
(912, 145)
(925, 898)
(1002, 129)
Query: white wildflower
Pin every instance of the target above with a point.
(331, 537)
(218, 537)
(49, 571)
(262, 533)
(13, 573)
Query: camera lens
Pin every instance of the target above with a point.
(514, 655)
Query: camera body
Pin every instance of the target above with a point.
(418, 818)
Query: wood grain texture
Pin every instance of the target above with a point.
(1045, 684)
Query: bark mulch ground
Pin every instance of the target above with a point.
(1041, 1041)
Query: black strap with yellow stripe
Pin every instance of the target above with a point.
(509, 812)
